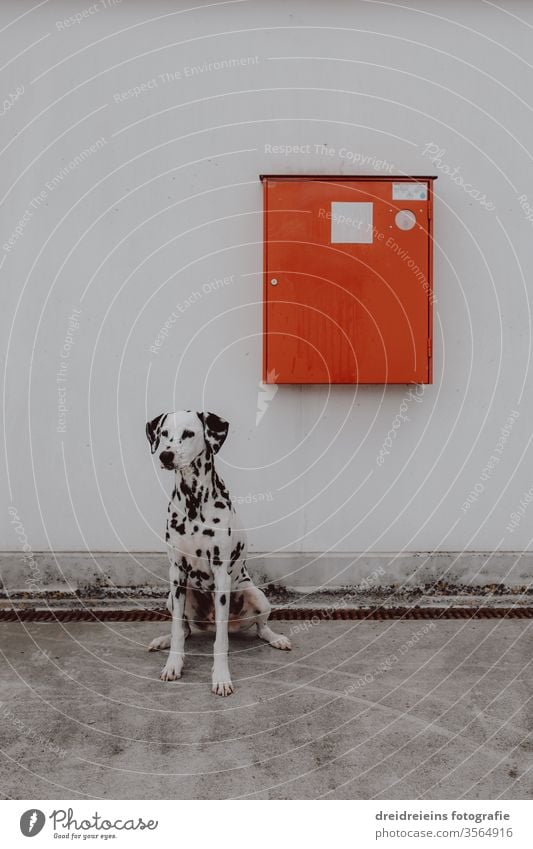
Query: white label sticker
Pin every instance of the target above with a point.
(352, 223)
(409, 191)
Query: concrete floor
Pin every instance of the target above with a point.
(393, 710)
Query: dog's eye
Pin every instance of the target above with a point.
(164, 433)
(187, 434)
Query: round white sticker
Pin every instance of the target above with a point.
(405, 219)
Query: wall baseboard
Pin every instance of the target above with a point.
(71, 570)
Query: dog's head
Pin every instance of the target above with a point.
(180, 437)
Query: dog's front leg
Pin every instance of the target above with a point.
(176, 656)
(222, 685)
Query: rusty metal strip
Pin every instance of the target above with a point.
(406, 613)
(299, 613)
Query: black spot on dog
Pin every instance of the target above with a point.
(216, 520)
(167, 536)
(236, 553)
(216, 556)
(194, 496)
(220, 505)
(187, 434)
(198, 552)
(222, 599)
(208, 532)
(185, 566)
(195, 528)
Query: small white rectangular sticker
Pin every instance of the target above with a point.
(352, 223)
(409, 191)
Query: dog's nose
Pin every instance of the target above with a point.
(167, 458)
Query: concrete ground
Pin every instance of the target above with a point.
(359, 710)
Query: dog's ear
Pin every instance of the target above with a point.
(215, 430)
(153, 431)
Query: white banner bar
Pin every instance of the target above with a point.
(225, 824)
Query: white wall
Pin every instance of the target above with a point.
(171, 200)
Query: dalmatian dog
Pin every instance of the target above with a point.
(210, 587)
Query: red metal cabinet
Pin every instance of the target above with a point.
(347, 279)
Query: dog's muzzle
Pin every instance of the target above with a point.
(167, 459)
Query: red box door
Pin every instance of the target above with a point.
(347, 287)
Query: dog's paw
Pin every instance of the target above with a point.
(171, 671)
(160, 643)
(222, 688)
(279, 641)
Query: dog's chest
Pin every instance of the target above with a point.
(204, 533)
(199, 549)
(196, 538)
(200, 531)
(197, 546)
